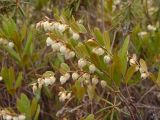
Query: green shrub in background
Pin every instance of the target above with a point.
(58, 67)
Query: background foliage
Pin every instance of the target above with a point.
(119, 27)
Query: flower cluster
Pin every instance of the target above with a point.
(64, 78)
(47, 80)
(92, 68)
(82, 62)
(150, 28)
(144, 73)
(75, 76)
(107, 59)
(56, 26)
(98, 51)
(142, 34)
(7, 115)
(60, 47)
(151, 7)
(87, 78)
(64, 95)
(6, 42)
(1, 78)
(133, 62)
(75, 35)
(50, 26)
(3, 41)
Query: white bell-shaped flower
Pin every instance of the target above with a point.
(75, 76)
(92, 68)
(75, 36)
(82, 62)
(107, 59)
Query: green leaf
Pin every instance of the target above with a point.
(99, 36)
(90, 117)
(91, 91)
(91, 43)
(82, 28)
(23, 32)
(4, 73)
(129, 73)
(116, 70)
(27, 48)
(64, 68)
(21, 10)
(48, 74)
(123, 55)
(8, 78)
(9, 27)
(37, 113)
(81, 50)
(143, 65)
(47, 92)
(34, 105)
(95, 60)
(14, 54)
(78, 90)
(19, 80)
(23, 105)
(75, 26)
(11, 75)
(158, 78)
(60, 57)
(107, 41)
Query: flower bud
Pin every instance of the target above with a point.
(103, 83)
(52, 80)
(34, 88)
(98, 51)
(142, 34)
(63, 79)
(137, 68)
(56, 25)
(62, 97)
(86, 76)
(8, 117)
(15, 118)
(91, 40)
(1, 78)
(141, 70)
(75, 36)
(81, 63)
(10, 44)
(61, 28)
(94, 80)
(151, 28)
(47, 81)
(75, 76)
(67, 75)
(63, 49)
(55, 47)
(117, 2)
(107, 59)
(68, 96)
(144, 75)
(21, 117)
(71, 54)
(46, 25)
(92, 68)
(132, 62)
(49, 41)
